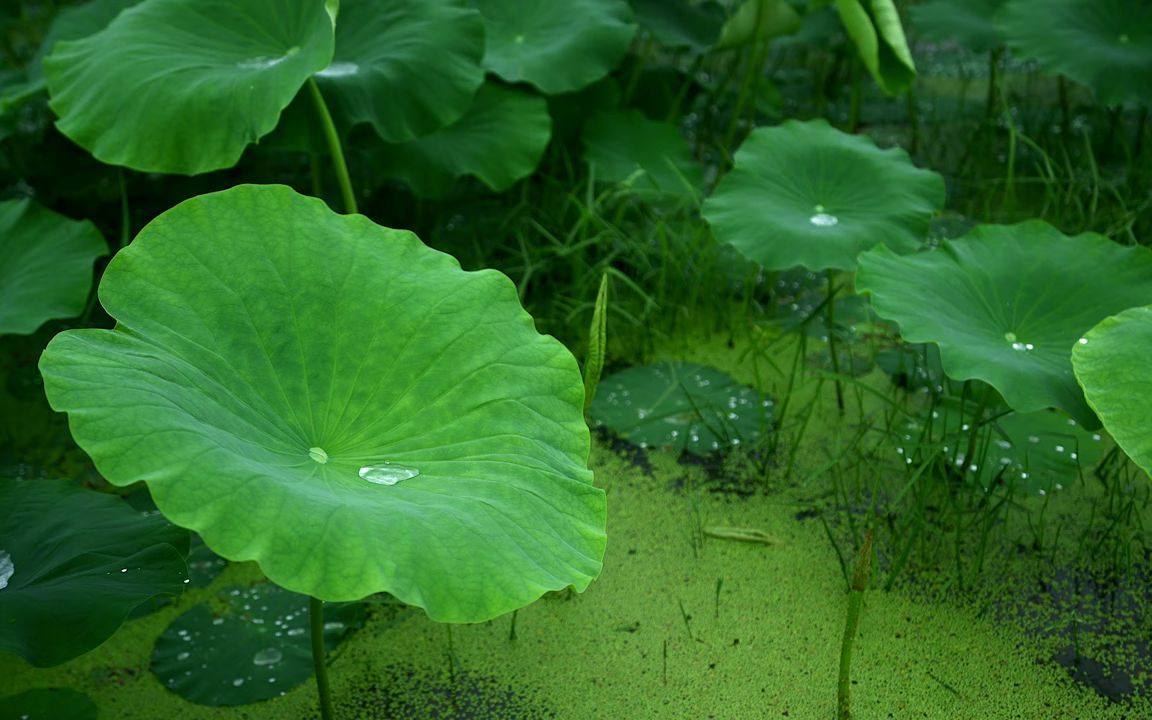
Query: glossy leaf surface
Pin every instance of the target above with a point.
(48, 704)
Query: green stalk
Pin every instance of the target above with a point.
(860, 576)
(832, 342)
(316, 619)
(333, 139)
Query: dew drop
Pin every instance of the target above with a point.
(339, 69)
(183, 656)
(268, 656)
(6, 568)
(238, 682)
(1083, 341)
(823, 219)
(295, 632)
(318, 454)
(387, 473)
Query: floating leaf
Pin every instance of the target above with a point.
(758, 20)
(681, 23)
(968, 22)
(682, 406)
(45, 265)
(558, 47)
(652, 157)
(408, 68)
(804, 193)
(1105, 44)
(48, 704)
(259, 648)
(875, 29)
(1111, 363)
(339, 403)
(500, 140)
(1007, 303)
(73, 564)
(183, 87)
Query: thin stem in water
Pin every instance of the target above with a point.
(860, 576)
(316, 620)
(333, 139)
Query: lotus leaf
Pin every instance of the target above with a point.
(681, 406)
(653, 157)
(804, 193)
(968, 22)
(558, 47)
(875, 29)
(1111, 363)
(408, 68)
(60, 543)
(183, 87)
(48, 704)
(758, 20)
(339, 403)
(1007, 303)
(681, 23)
(499, 140)
(1106, 44)
(45, 265)
(75, 22)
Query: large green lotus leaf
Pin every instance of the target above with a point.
(45, 265)
(74, 563)
(75, 22)
(804, 193)
(183, 87)
(1112, 365)
(1105, 44)
(681, 23)
(653, 157)
(408, 68)
(681, 406)
(556, 46)
(968, 22)
(875, 29)
(339, 403)
(499, 140)
(257, 649)
(759, 20)
(48, 704)
(1007, 303)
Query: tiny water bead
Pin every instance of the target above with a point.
(387, 473)
(268, 656)
(318, 454)
(339, 69)
(6, 568)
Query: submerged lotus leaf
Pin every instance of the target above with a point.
(45, 265)
(257, 649)
(681, 23)
(875, 29)
(339, 403)
(499, 140)
(804, 193)
(47, 704)
(681, 406)
(653, 157)
(183, 87)
(1105, 44)
(556, 46)
(1007, 303)
(968, 22)
(1112, 365)
(74, 563)
(408, 68)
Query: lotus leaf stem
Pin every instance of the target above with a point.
(319, 661)
(338, 163)
(860, 575)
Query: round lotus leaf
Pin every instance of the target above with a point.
(183, 87)
(74, 563)
(45, 265)
(876, 31)
(258, 648)
(652, 157)
(681, 406)
(558, 47)
(48, 704)
(1105, 44)
(1007, 303)
(408, 68)
(759, 20)
(74, 22)
(681, 23)
(804, 193)
(968, 22)
(1111, 363)
(499, 140)
(339, 403)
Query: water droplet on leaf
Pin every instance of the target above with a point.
(823, 219)
(268, 656)
(318, 454)
(6, 568)
(387, 473)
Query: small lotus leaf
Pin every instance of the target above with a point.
(681, 406)
(804, 193)
(339, 403)
(681, 23)
(48, 704)
(1111, 363)
(875, 29)
(759, 20)
(653, 157)
(1104, 44)
(968, 22)
(45, 265)
(258, 649)
(1007, 303)
(556, 46)
(408, 68)
(74, 563)
(183, 87)
(499, 140)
